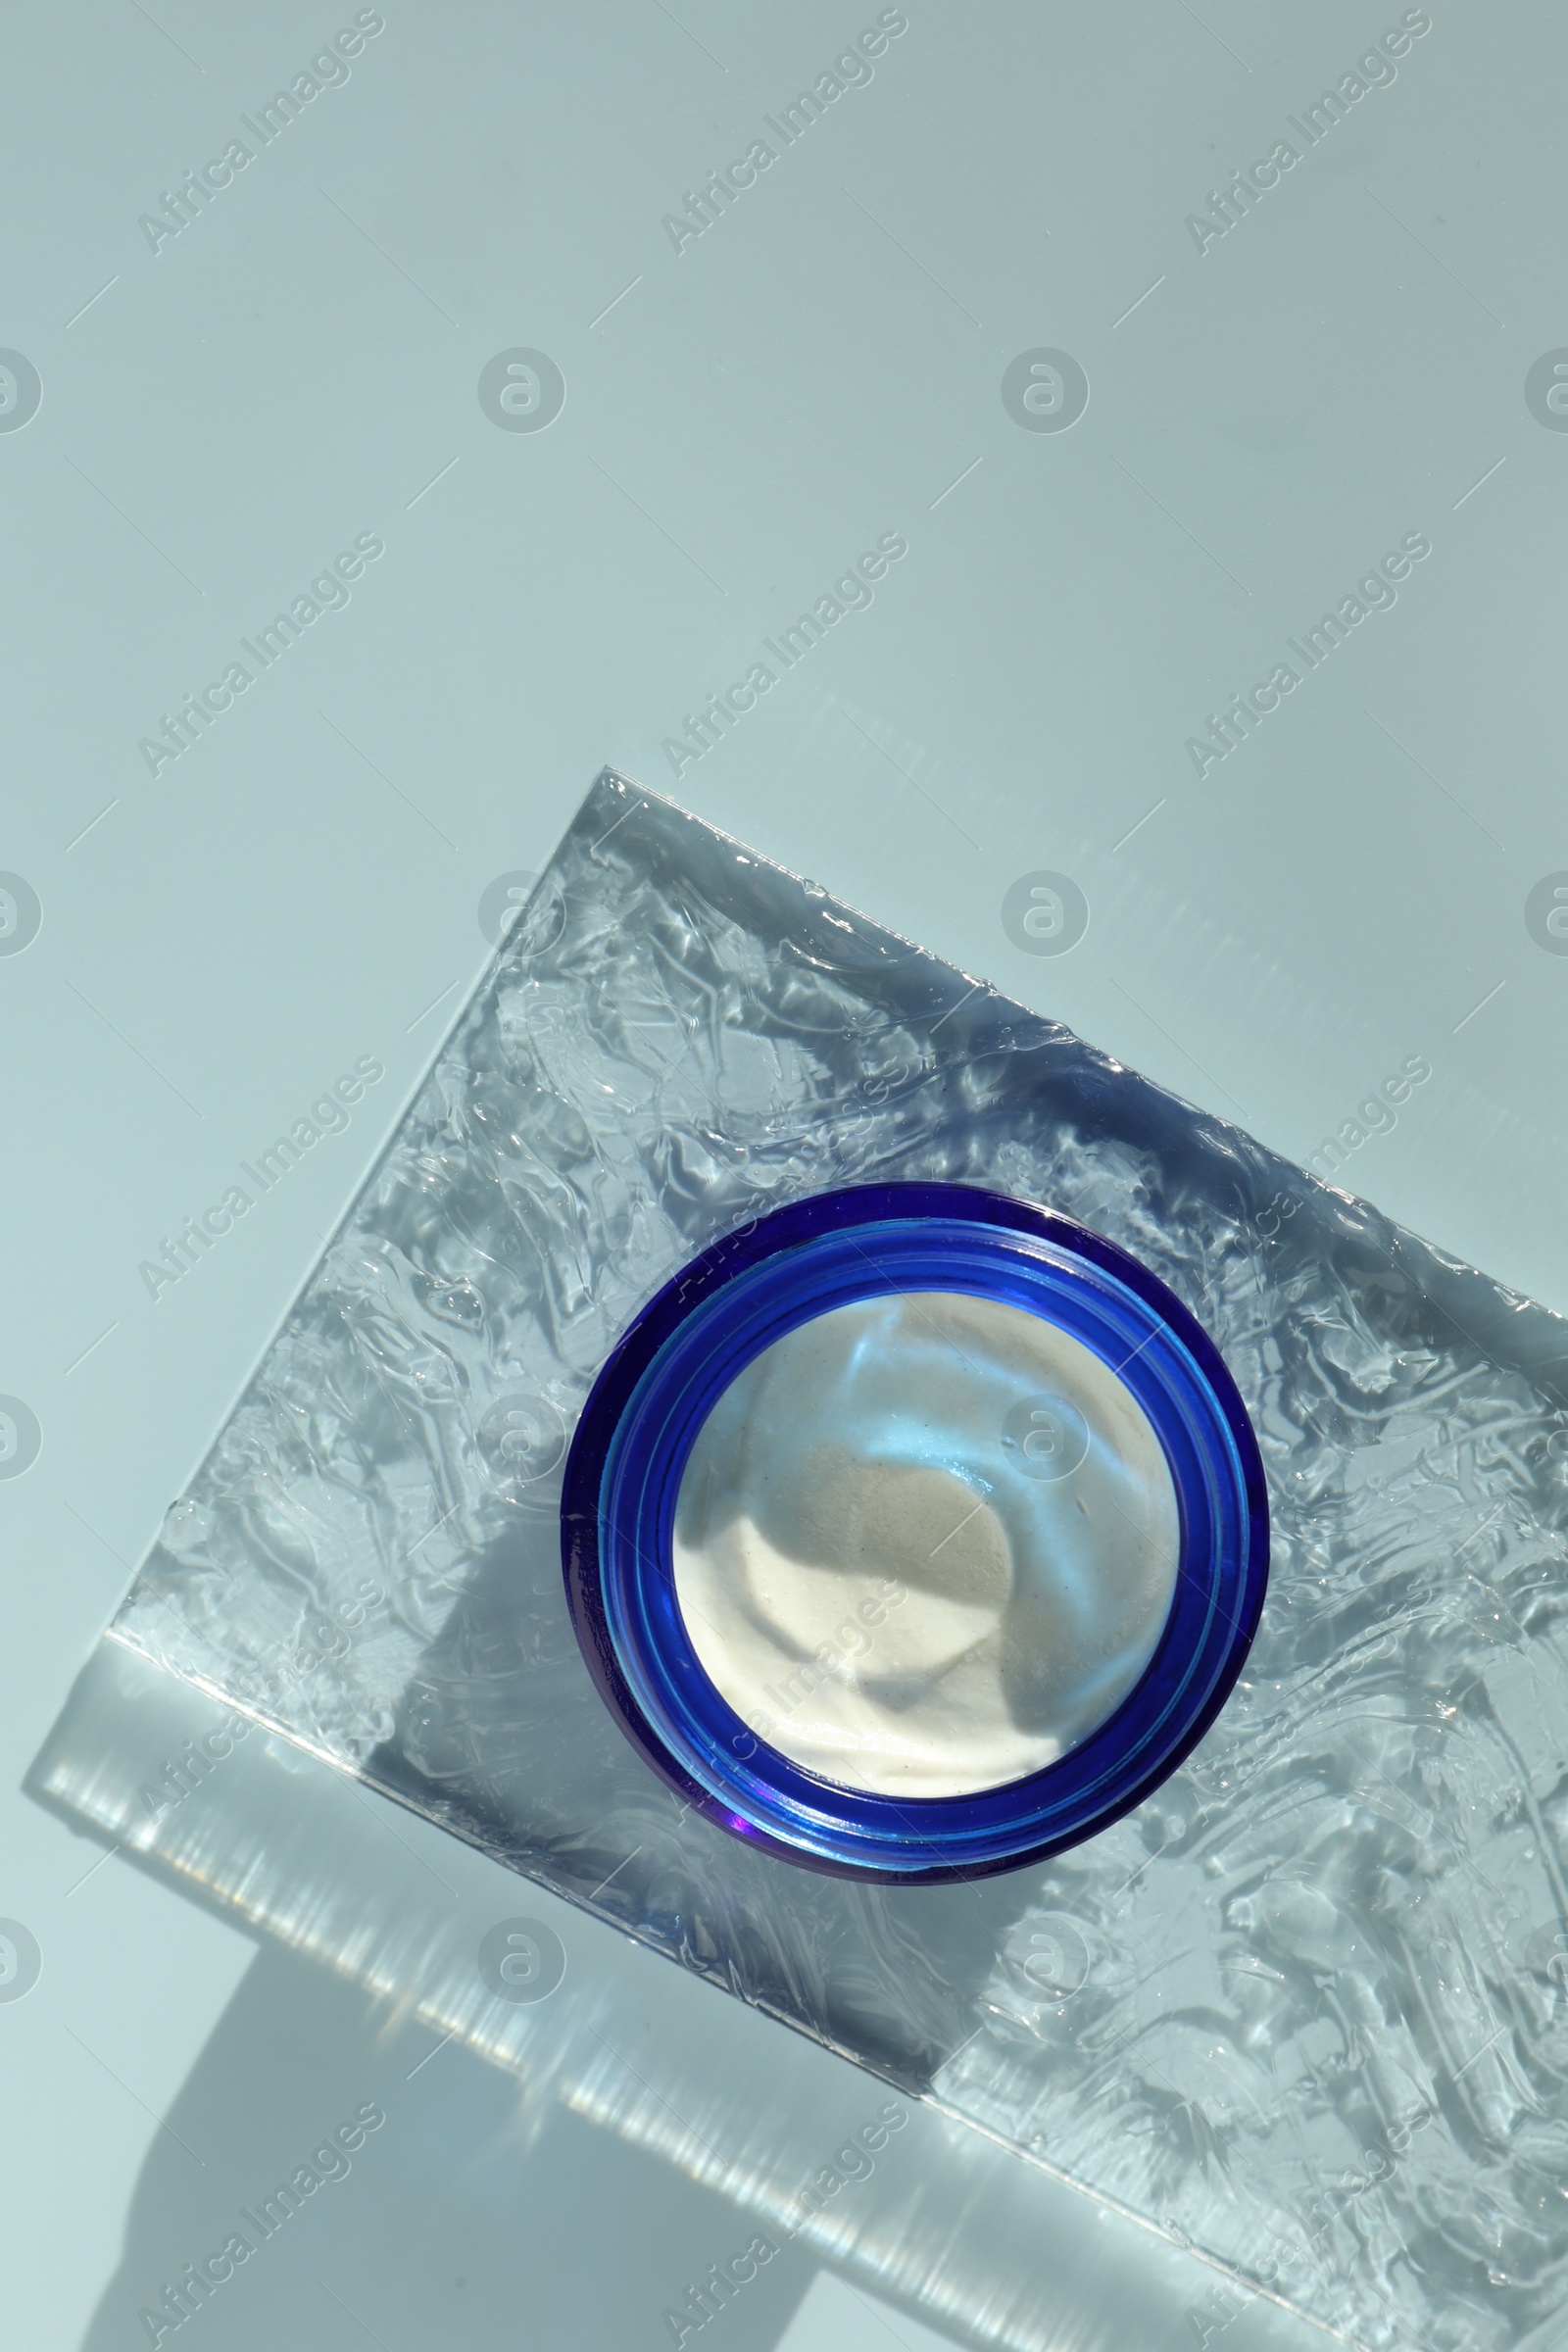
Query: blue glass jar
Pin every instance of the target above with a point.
(678, 1388)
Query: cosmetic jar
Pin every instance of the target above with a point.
(913, 1531)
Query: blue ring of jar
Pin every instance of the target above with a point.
(737, 1297)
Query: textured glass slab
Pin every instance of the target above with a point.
(1306, 2007)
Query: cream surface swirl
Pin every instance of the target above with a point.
(924, 1544)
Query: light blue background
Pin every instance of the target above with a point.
(742, 417)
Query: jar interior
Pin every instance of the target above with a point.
(926, 1544)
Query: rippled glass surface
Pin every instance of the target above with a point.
(1306, 2008)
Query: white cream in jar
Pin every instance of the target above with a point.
(926, 1544)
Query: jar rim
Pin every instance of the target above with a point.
(734, 1299)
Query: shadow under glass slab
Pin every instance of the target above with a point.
(469, 2216)
(631, 2123)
